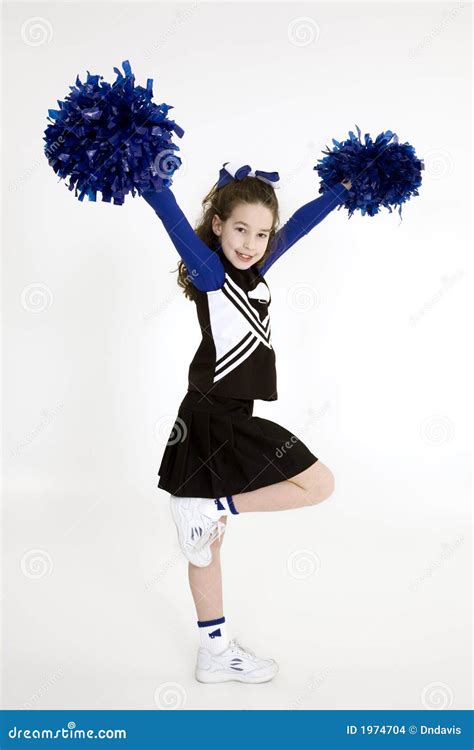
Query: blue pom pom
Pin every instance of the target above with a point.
(383, 173)
(112, 138)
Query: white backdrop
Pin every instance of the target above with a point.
(363, 600)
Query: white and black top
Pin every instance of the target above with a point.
(235, 357)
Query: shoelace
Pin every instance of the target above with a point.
(236, 646)
(215, 531)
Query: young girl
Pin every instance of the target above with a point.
(220, 460)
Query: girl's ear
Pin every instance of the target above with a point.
(216, 224)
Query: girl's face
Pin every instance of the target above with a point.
(244, 235)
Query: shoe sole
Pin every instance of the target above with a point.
(214, 677)
(177, 517)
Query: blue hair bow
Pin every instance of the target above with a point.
(232, 171)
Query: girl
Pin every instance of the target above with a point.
(220, 460)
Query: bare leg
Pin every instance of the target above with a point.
(206, 584)
(307, 488)
(310, 487)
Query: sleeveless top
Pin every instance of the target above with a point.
(235, 357)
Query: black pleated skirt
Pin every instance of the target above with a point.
(216, 448)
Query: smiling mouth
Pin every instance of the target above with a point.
(244, 257)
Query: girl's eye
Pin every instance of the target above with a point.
(243, 230)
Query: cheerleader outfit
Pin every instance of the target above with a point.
(216, 446)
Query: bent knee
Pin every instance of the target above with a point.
(325, 483)
(330, 482)
(318, 482)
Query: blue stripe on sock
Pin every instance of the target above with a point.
(207, 623)
(231, 505)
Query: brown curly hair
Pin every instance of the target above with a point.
(222, 202)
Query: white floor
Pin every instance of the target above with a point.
(364, 605)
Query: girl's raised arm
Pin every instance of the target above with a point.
(204, 266)
(302, 221)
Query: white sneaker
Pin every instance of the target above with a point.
(234, 663)
(197, 521)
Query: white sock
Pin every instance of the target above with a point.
(213, 634)
(226, 506)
